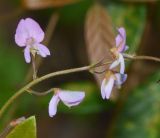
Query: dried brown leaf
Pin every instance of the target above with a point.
(99, 36)
(41, 4)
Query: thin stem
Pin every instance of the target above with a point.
(36, 81)
(134, 57)
(34, 67)
(68, 71)
(40, 93)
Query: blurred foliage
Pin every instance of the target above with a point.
(26, 129)
(140, 117)
(42, 4)
(79, 9)
(12, 72)
(12, 69)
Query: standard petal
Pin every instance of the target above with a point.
(103, 88)
(21, 34)
(118, 40)
(109, 87)
(120, 79)
(121, 39)
(34, 30)
(114, 64)
(43, 50)
(122, 64)
(27, 55)
(70, 98)
(122, 32)
(52, 109)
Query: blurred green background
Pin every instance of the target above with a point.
(136, 111)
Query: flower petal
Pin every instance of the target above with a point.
(108, 87)
(27, 55)
(122, 64)
(118, 40)
(121, 39)
(126, 48)
(43, 50)
(103, 88)
(34, 30)
(52, 109)
(70, 98)
(114, 64)
(122, 32)
(120, 79)
(21, 34)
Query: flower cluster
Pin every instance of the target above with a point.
(113, 78)
(30, 35)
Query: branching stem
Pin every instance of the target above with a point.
(38, 80)
(63, 72)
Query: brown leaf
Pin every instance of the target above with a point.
(99, 36)
(41, 4)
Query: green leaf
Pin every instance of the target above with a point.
(26, 129)
(140, 117)
(132, 18)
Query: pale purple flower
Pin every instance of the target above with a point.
(29, 35)
(120, 48)
(121, 40)
(111, 80)
(69, 98)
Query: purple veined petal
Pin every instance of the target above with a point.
(52, 109)
(21, 34)
(34, 30)
(70, 98)
(121, 39)
(114, 64)
(103, 88)
(43, 50)
(27, 55)
(122, 64)
(120, 79)
(108, 87)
